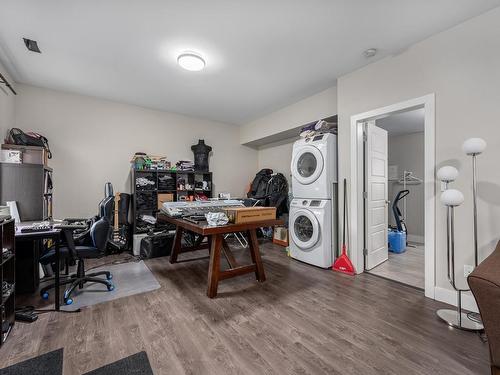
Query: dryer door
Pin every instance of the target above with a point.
(304, 229)
(307, 165)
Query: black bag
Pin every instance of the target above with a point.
(258, 189)
(18, 137)
(278, 193)
(157, 245)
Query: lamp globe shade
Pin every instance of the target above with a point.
(452, 198)
(474, 146)
(447, 173)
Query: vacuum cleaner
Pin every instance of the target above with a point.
(398, 235)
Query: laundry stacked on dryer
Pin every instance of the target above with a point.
(314, 185)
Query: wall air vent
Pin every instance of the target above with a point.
(31, 45)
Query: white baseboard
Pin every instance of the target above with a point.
(450, 297)
(415, 238)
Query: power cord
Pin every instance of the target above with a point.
(29, 314)
(130, 259)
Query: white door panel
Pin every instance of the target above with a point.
(376, 198)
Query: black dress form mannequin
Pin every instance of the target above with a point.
(201, 151)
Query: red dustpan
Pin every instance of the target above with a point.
(343, 263)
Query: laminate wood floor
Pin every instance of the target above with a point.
(407, 268)
(302, 320)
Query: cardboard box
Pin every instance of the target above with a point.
(241, 215)
(11, 156)
(164, 197)
(30, 154)
(280, 236)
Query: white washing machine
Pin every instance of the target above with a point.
(311, 226)
(314, 166)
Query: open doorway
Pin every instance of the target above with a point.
(401, 139)
(364, 248)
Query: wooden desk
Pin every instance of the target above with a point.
(218, 245)
(53, 234)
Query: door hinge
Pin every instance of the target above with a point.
(365, 251)
(365, 136)
(365, 195)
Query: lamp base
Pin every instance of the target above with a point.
(451, 317)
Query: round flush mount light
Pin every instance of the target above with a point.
(370, 52)
(191, 61)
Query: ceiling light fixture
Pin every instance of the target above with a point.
(370, 52)
(191, 61)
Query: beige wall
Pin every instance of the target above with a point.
(407, 152)
(315, 107)
(93, 140)
(7, 99)
(277, 156)
(461, 66)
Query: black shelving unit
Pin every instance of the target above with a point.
(7, 275)
(181, 184)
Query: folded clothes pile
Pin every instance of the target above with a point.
(185, 165)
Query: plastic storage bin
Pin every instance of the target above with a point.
(397, 241)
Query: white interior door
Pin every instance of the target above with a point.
(376, 203)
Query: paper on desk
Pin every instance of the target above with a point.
(13, 211)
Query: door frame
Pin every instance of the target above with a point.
(357, 177)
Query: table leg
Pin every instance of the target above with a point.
(57, 281)
(176, 249)
(229, 254)
(214, 267)
(255, 253)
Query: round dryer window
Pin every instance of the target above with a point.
(307, 165)
(305, 229)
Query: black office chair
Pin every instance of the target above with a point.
(99, 234)
(105, 208)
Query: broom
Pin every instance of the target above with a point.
(343, 263)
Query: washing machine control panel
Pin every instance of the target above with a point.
(315, 204)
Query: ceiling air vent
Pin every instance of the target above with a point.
(32, 45)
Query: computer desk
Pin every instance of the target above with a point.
(52, 234)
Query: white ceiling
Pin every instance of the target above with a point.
(261, 55)
(403, 123)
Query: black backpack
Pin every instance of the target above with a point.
(258, 189)
(18, 137)
(278, 193)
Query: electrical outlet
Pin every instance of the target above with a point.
(468, 269)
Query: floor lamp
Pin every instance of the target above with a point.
(452, 198)
(474, 147)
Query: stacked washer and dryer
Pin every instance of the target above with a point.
(313, 218)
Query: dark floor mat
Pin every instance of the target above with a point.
(136, 364)
(46, 364)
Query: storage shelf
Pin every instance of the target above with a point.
(183, 177)
(10, 257)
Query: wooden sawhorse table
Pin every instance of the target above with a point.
(217, 246)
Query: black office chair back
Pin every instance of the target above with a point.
(103, 208)
(99, 232)
(107, 208)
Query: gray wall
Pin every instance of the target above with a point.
(7, 99)
(461, 66)
(407, 152)
(93, 140)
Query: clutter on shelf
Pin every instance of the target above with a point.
(327, 125)
(185, 165)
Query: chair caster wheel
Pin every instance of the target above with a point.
(68, 301)
(109, 277)
(45, 295)
(111, 287)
